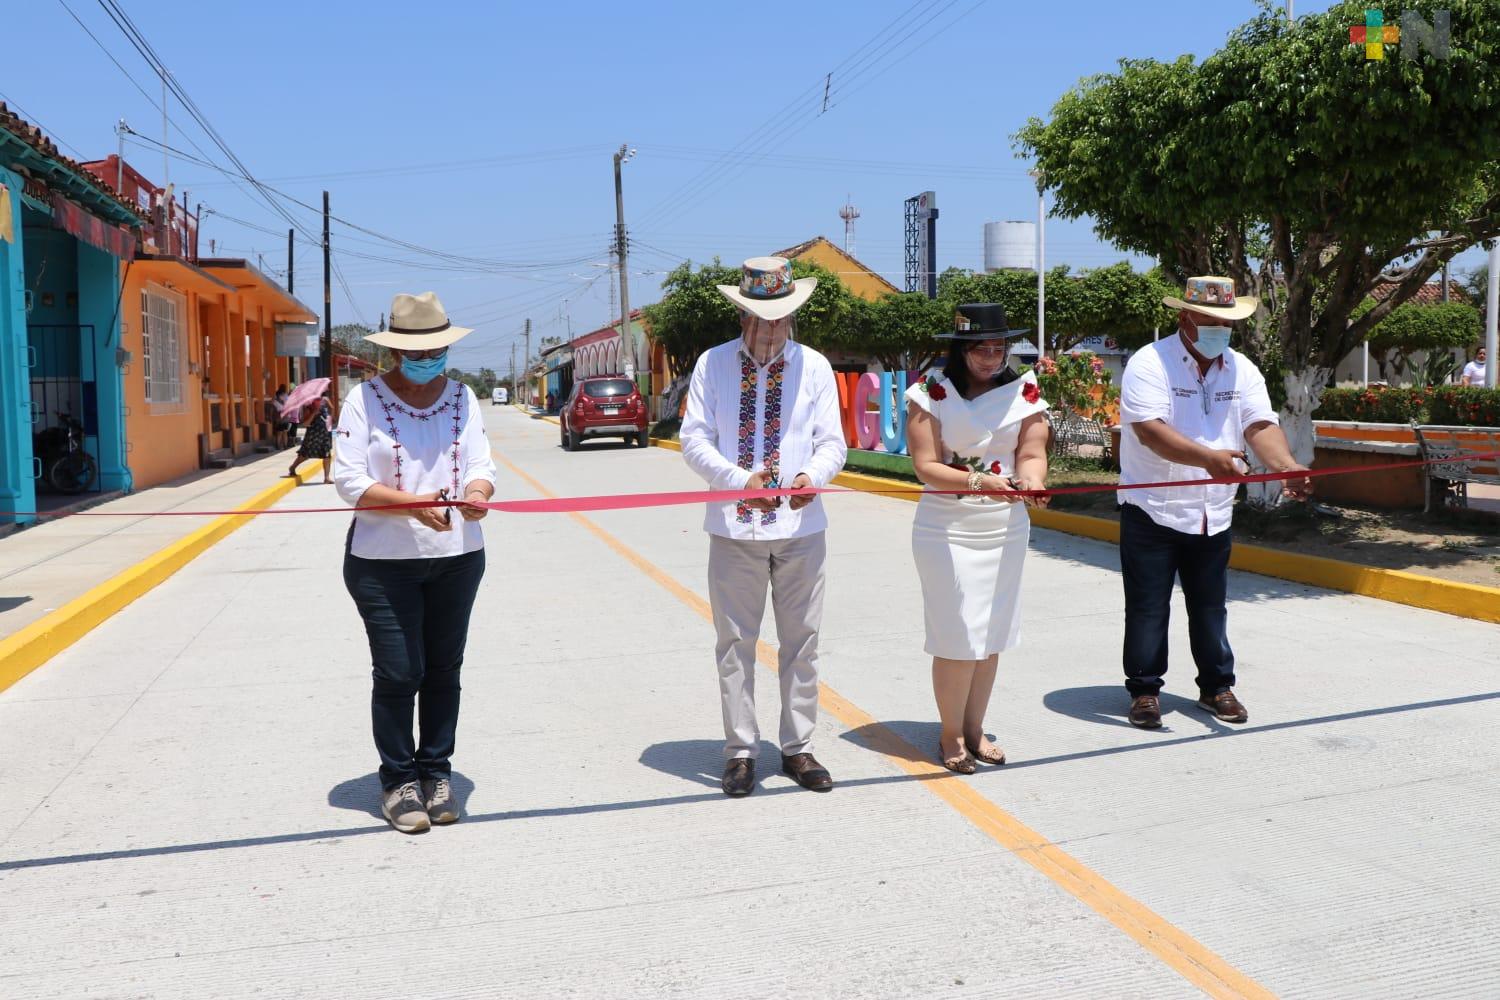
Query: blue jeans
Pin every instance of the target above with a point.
(416, 614)
(1151, 556)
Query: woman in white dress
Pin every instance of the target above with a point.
(975, 426)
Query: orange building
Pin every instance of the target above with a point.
(200, 336)
(858, 278)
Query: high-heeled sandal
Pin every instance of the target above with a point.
(958, 765)
(996, 756)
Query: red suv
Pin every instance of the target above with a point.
(603, 407)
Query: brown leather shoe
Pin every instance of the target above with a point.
(1145, 712)
(1225, 706)
(807, 772)
(739, 777)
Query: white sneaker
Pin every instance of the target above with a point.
(403, 806)
(437, 793)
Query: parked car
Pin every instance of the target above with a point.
(499, 396)
(603, 407)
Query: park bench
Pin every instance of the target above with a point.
(1071, 432)
(1454, 449)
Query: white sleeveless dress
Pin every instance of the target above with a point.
(969, 550)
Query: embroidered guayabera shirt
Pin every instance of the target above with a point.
(1163, 382)
(743, 417)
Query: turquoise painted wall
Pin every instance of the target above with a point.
(17, 487)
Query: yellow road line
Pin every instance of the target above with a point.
(1181, 952)
(34, 645)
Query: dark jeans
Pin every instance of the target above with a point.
(1150, 557)
(416, 614)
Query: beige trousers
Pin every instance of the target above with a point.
(738, 574)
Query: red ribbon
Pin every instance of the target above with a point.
(633, 501)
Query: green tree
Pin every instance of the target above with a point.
(1115, 301)
(1290, 162)
(1412, 327)
(692, 316)
(899, 330)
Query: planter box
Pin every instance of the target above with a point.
(1392, 489)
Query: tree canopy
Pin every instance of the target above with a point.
(1115, 301)
(1416, 327)
(1292, 163)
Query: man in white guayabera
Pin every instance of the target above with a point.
(1191, 405)
(763, 413)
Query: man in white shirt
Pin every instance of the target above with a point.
(761, 407)
(1191, 405)
(1474, 370)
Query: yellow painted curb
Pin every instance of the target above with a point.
(44, 638)
(666, 443)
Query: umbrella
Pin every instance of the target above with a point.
(305, 393)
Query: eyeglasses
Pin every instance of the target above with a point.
(990, 350)
(435, 352)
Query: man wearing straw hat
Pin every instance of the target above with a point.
(762, 413)
(1191, 405)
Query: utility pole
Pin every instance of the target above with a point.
(526, 363)
(327, 350)
(627, 342)
(512, 371)
(291, 273)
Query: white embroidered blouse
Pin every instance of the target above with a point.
(382, 440)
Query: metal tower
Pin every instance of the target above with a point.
(848, 213)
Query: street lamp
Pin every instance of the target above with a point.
(627, 342)
(1041, 265)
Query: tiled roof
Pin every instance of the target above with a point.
(791, 253)
(34, 137)
(1429, 294)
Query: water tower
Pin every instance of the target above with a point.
(848, 213)
(1009, 246)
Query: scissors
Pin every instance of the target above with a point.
(447, 511)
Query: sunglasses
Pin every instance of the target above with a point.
(989, 350)
(435, 352)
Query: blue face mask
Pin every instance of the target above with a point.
(424, 370)
(1212, 340)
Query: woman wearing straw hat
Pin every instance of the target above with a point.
(410, 434)
(976, 426)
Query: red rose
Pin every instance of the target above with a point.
(994, 468)
(936, 391)
(1030, 392)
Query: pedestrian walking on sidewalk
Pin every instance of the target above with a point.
(318, 441)
(1191, 404)
(762, 412)
(409, 435)
(976, 425)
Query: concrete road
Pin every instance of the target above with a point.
(190, 804)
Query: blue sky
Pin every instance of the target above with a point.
(485, 130)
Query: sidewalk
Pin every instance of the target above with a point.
(201, 819)
(48, 564)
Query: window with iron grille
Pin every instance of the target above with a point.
(161, 345)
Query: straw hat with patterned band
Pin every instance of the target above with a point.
(767, 288)
(981, 321)
(1213, 296)
(418, 323)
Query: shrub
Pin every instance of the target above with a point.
(1447, 404)
(1374, 404)
(1469, 405)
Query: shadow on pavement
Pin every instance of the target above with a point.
(702, 761)
(1109, 704)
(11, 603)
(688, 758)
(363, 794)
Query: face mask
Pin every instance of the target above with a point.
(1212, 340)
(423, 370)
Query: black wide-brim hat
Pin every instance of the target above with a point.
(981, 321)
